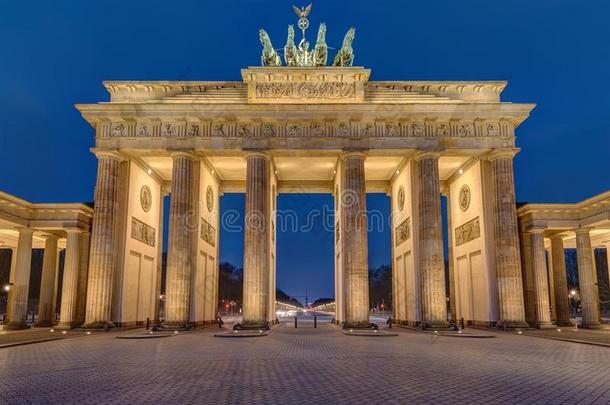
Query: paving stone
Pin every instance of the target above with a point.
(305, 365)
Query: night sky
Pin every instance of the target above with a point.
(555, 53)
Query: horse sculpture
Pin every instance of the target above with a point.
(269, 57)
(345, 56)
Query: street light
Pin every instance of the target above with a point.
(572, 296)
(7, 287)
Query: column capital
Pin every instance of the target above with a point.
(25, 230)
(49, 236)
(423, 154)
(260, 153)
(582, 231)
(73, 231)
(352, 153)
(500, 153)
(556, 237)
(108, 153)
(535, 231)
(189, 153)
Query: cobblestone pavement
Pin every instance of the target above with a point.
(601, 337)
(305, 365)
(15, 337)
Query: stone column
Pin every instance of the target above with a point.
(81, 295)
(527, 267)
(452, 295)
(608, 260)
(355, 241)
(256, 241)
(46, 313)
(560, 280)
(11, 281)
(541, 281)
(102, 259)
(432, 268)
(549, 259)
(508, 266)
(18, 293)
(587, 280)
(69, 290)
(182, 237)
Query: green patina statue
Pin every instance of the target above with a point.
(320, 52)
(345, 56)
(301, 55)
(290, 49)
(269, 57)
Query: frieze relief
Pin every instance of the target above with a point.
(208, 232)
(306, 90)
(143, 232)
(310, 129)
(471, 230)
(403, 232)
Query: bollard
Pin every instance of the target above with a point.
(33, 317)
(462, 322)
(147, 323)
(315, 321)
(295, 321)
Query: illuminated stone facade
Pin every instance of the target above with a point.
(283, 130)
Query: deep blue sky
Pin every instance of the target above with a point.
(555, 53)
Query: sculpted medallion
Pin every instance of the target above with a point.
(464, 197)
(145, 198)
(209, 198)
(401, 198)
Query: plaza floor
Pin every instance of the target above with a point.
(305, 365)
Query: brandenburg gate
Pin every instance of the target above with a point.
(304, 127)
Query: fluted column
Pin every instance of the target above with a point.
(508, 266)
(18, 293)
(83, 272)
(182, 237)
(46, 304)
(355, 240)
(256, 241)
(541, 281)
(529, 294)
(549, 259)
(608, 260)
(102, 259)
(11, 281)
(432, 268)
(452, 294)
(587, 280)
(69, 290)
(560, 281)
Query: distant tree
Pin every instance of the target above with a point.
(230, 282)
(571, 268)
(380, 287)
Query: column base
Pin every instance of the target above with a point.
(360, 325)
(173, 326)
(512, 325)
(564, 323)
(16, 326)
(543, 325)
(250, 325)
(97, 325)
(43, 324)
(67, 325)
(436, 325)
(591, 326)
